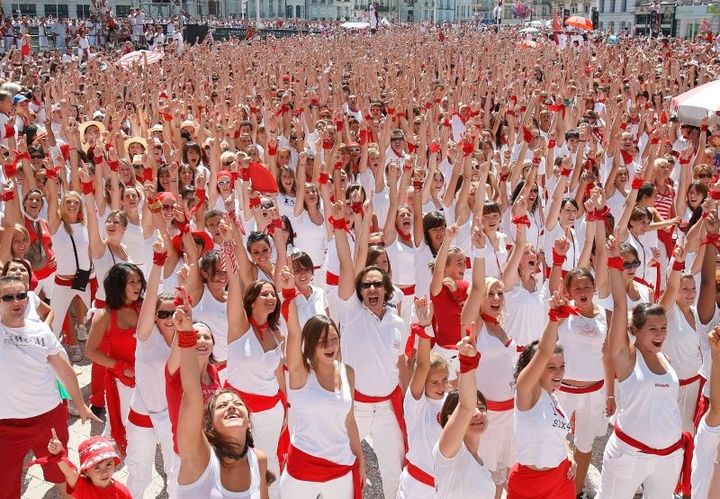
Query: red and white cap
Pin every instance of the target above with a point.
(95, 450)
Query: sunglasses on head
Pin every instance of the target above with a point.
(372, 284)
(18, 297)
(164, 314)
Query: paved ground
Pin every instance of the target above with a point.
(34, 487)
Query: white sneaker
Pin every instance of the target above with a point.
(81, 332)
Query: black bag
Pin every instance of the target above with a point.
(82, 276)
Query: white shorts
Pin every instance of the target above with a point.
(497, 446)
(590, 419)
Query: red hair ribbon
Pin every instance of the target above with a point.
(9, 131)
(616, 262)
(254, 202)
(187, 339)
(338, 223)
(10, 169)
(159, 258)
(288, 295)
(523, 220)
(562, 312)
(65, 151)
(8, 195)
(273, 225)
(468, 363)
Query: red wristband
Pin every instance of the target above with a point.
(637, 183)
(323, 178)
(8, 195)
(551, 144)
(714, 194)
(468, 363)
(289, 294)
(679, 266)
(159, 258)
(114, 165)
(655, 140)
(562, 312)
(87, 187)
(523, 220)
(616, 262)
(187, 339)
(272, 151)
(565, 172)
(558, 259)
(183, 227)
(254, 203)
(338, 223)
(419, 330)
(23, 155)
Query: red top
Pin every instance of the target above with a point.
(448, 308)
(84, 489)
(45, 240)
(174, 392)
(119, 343)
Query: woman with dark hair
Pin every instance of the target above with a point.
(560, 220)
(112, 340)
(429, 232)
(309, 217)
(459, 469)
(372, 345)
(287, 190)
(148, 421)
(323, 431)
(255, 354)
(647, 445)
(535, 233)
(545, 466)
(214, 438)
(636, 289)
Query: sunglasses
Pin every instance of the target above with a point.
(18, 297)
(372, 284)
(631, 265)
(164, 314)
(37, 156)
(168, 207)
(223, 182)
(704, 175)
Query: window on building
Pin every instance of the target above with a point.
(623, 6)
(24, 9)
(122, 10)
(83, 11)
(611, 7)
(57, 10)
(601, 5)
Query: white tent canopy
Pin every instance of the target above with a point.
(700, 102)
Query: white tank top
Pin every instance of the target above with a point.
(214, 314)
(540, 433)
(402, 262)
(423, 429)
(332, 264)
(62, 245)
(496, 258)
(573, 254)
(137, 248)
(522, 323)
(582, 339)
(102, 267)
(310, 238)
(423, 275)
(317, 419)
(495, 372)
(209, 485)
(682, 345)
(647, 405)
(251, 370)
(151, 356)
(461, 477)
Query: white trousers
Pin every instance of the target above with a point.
(378, 421)
(410, 488)
(590, 419)
(46, 285)
(625, 468)
(140, 458)
(125, 393)
(266, 428)
(339, 488)
(60, 300)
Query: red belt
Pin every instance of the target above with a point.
(332, 279)
(505, 405)
(309, 468)
(408, 291)
(47, 270)
(63, 281)
(579, 390)
(140, 420)
(685, 443)
(259, 403)
(419, 475)
(396, 400)
(690, 381)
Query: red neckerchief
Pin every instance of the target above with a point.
(406, 238)
(259, 328)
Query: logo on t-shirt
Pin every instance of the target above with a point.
(20, 340)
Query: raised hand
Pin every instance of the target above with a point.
(424, 311)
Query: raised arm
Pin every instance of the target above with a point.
(238, 323)
(424, 312)
(471, 309)
(706, 304)
(297, 370)
(712, 418)
(346, 287)
(677, 265)
(618, 342)
(436, 283)
(146, 317)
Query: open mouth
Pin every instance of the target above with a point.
(495, 308)
(657, 343)
(202, 348)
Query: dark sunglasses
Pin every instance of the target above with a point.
(373, 284)
(164, 314)
(631, 265)
(18, 297)
(704, 175)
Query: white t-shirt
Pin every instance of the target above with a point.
(461, 477)
(30, 388)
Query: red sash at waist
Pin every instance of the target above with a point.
(309, 468)
(579, 390)
(140, 420)
(332, 279)
(62, 281)
(419, 475)
(527, 483)
(685, 443)
(258, 403)
(396, 401)
(505, 405)
(408, 291)
(690, 381)
(49, 268)
(112, 397)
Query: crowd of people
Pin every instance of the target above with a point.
(473, 253)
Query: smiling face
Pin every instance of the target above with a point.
(114, 227)
(164, 318)
(456, 265)
(230, 416)
(649, 338)
(328, 348)
(205, 342)
(101, 474)
(14, 310)
(19, 245)
(639, 226)
(33, 204)
(687, 292)
(133, 287)
(261, 253)
(303, 275)
(493, 302)
(266, 301)
(529, 262)
(130, 199)
(568, 214)
(554, 372)
(479, 421)
(436, 383)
